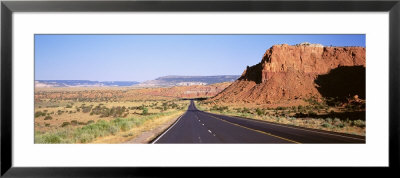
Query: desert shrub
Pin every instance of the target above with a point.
(145, 111)
(300, 107)
(74, 122)
(90, 122)
(173, 105)
(114, 130)
(64, 124)
(51, 138)
(39, 113)
(338, 123)
(81, 123)
(123, 124)
(85, 137)
(48, 118)
(245, 110)
(215, 107)
(68, 106)
(86, 109)
(359, 123)
(128, 135)
(47, 124)
(103, 111)
(312, 114)
(259, 112)
(219, 108)
(329, 120)
(326, 125)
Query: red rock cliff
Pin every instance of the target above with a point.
(288, 72)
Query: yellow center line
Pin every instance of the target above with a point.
(259, 131)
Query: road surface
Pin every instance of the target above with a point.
(196, 126)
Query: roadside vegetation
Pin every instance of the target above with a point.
(60, 119)
(101, 128)
(344, 118)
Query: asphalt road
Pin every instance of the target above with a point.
(196, 126)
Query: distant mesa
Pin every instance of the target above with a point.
(81, 83)
(166, 81)
(295, 72)
(175, 80)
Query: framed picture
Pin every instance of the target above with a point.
(130, 88)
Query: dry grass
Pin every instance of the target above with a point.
(60, 116)
(122, 137)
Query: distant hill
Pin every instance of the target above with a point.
(174, 80)
(81, 83)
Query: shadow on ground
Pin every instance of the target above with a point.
(342, 83)
(354, 115)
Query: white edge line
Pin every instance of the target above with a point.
(293, 127)
(168, 129)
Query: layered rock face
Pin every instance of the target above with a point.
(288, 72)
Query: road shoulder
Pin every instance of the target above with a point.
(148, 136)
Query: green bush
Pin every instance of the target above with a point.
(259, 112)
(145, 111)
(220, 108)
(52, 139)
(326, 125)
(359, 123)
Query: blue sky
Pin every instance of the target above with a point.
(146, 57)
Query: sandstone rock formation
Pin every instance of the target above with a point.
(288, 72)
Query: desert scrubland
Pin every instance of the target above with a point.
(100, 115)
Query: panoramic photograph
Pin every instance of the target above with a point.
(190, 89)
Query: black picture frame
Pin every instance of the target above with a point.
(8, 7)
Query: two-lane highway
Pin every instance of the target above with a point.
(196, 126)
